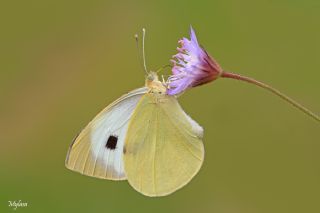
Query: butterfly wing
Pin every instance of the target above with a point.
(163, 148)
(97, 151)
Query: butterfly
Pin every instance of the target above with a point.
(144, 137)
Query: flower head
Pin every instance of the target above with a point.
(192, 66)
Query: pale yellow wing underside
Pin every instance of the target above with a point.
(89, 155)
(163, 147)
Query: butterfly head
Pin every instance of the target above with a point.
(154, 85)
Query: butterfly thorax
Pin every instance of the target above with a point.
(154, 85)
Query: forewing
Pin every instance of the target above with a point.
(163, 147)
(97, 151)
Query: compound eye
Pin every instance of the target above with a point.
(150, 77)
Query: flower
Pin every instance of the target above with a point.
(192, 66)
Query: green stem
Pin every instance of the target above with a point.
(274, 91)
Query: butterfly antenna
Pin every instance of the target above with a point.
(143, 52)
(138, 48)
(143, 59)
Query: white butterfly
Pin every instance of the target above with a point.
(144, 137)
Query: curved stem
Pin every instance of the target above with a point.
(271, 89)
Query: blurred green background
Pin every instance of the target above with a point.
(61, 62)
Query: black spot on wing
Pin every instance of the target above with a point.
(112, 142)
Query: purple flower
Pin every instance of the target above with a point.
(192, 66)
